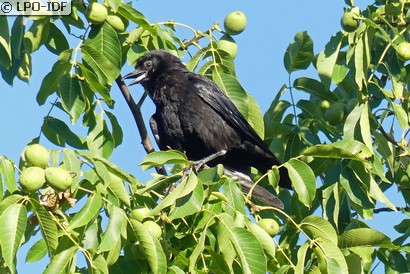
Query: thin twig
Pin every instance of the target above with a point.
(385, 209)
(136, 113)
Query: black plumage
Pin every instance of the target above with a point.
(195, 116)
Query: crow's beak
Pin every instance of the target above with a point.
(138, 74)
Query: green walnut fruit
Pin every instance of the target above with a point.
(324, 104)
(140, 213)
(117, 22)
(228, 44)
(271, 226)
(32, 178)
(348, 21)
(58, 178)
(235, 22)
(335, 114)
(153, 228)
(403, 51)
(96, 13)
(36, 155)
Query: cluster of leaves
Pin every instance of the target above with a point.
(206, 226)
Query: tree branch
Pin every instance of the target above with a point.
(385, 209)
(136, 113)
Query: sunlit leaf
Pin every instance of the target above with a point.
(303, 180)
(52, 79)
(327, 58)
(71, 95)
(86, 214)
(299, 53)
(151, 247)
(47, 225)
(361, 237)
(113, 232)
(159, 158)
(61, 261)
(37, 35)
(7, 171)
(317, 227)
(12, 227)
(37, 251)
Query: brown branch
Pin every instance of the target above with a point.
(391, 140)
(385, 209)
(137, 114)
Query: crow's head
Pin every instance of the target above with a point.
(151, 65)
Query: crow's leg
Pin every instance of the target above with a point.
(199, 164)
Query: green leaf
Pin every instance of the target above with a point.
(303, 180)
(245, 103)
(151, 247)
(99, 138)
(104, 39)
(299, 53)
(362, 237)
(186, 187)
(98, 63)
(117, 171)
(5, 47)
(302, 251)
(327, 58)
(72, 97)
(13, 223)
(47, 225)
(37, 35)
(248, 249)
(37, 251)
(117, 187)
(362, 59)
(345, 149)
(333, 256)
(17, 34)
(159, 158)
(264, 238)
(88, 213)
(369, 184)
(72, 163)
(92, 79)
(401, 116)
(116, 129)
(199, 248)
(10, 200)
(359, 199)
(59, 133)
(188, 204)
(61, 261)
(8, 173)
(315, 88)
(56, 42)
(100, 265)
(24, 71)
(52, 79)
(234, 194)
(112, 235)
(317, 227)
(132, 14)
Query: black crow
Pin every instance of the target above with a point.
(193, 115)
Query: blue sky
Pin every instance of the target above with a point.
(271, 26)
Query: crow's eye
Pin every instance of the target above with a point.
(148, 64)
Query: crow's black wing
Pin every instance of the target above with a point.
(212, 95)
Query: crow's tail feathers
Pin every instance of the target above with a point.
(258, 192)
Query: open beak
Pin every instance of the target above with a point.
(138, 74)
